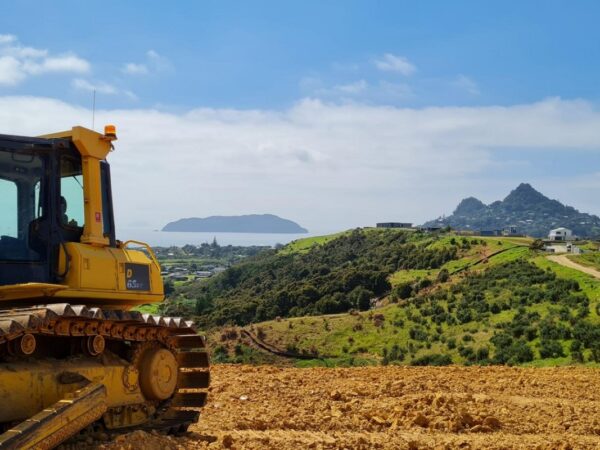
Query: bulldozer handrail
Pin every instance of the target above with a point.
(146, 246)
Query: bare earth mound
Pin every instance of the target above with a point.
(392, 408)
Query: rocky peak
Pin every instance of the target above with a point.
(469, 205)
(524, 196)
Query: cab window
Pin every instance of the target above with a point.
(71, 192)
(8, 206)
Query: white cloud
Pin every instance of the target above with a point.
(65, 63)
(7, 38)
(10, 71)
(135, 69)
(467, 84)
(18, 62)
(154, 63)
(382, 92)
(352, 88)
(327, 166)
(100, 87)
(393, 63)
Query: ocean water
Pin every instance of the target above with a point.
(157, 238)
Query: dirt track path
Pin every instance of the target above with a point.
(563, 260)
(390, 407)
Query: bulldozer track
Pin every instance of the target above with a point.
(83, 323)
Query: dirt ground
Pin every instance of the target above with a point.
(392, 408)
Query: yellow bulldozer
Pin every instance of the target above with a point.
(74, 355)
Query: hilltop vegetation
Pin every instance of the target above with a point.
(333, 276)
(533, 213)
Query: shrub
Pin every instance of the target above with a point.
(402, 291)
(433, 359)
(509, 351)
(418, 334)
(451, 343)
(220, 354)
(551, 349)
(483, 353)
(576, 353)
(443, 276)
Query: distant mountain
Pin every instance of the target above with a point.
(254, 223)
(530, 211)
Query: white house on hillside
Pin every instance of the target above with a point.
(561, 234)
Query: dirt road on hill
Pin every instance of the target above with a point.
(563, 260)
(392, 408)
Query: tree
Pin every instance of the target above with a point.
(538, 244)
(443, 276)
(361, 298)
(403, 291)
(551, 349)
(169, 287)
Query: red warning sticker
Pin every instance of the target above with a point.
(98, 217)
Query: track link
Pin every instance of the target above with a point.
(80, 321)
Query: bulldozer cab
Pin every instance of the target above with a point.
(42, 206)
(57, 224)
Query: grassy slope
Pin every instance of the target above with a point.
(589, 285)
(356, 336)
(305, 244)
(587, 259)
(510, 248)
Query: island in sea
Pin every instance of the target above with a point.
(252, 223)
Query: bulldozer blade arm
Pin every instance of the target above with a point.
(57, 423)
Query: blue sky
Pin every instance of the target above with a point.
(286, 104)
(264, 54)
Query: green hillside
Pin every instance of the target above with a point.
(372, 296)
(448, 299)
(513, 312)
(317, 276)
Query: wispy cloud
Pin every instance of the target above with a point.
(467, 84)
(382, 92)
(352, 88)
(101, 87)
(7, 38)
(18, 62)
(135, 69)
(154, 63)
(394, 63)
